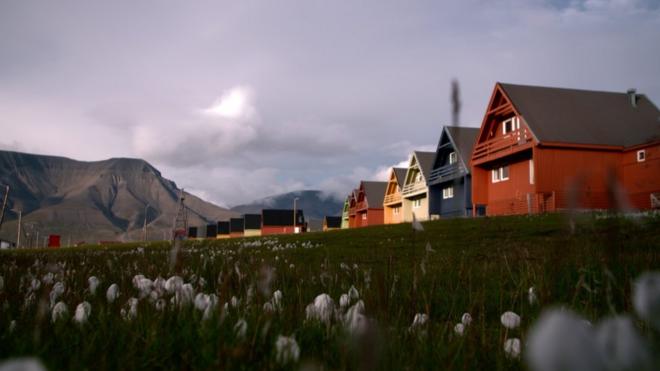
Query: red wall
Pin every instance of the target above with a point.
(54, 241)
(269, 230)
(640, 179)
(374, 217)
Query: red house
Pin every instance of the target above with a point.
(367, 206)
(352, 210)
(280, 221)
(544, 149)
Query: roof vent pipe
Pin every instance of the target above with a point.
(632, 94)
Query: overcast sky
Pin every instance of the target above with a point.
(239, 100)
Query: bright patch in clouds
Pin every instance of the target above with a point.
(232, 105)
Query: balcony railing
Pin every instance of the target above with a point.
(361, 205)
(392, 198)
(506, 144)
(447, 172)
(413, 188)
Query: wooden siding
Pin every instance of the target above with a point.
(640, 179)
(373, 217)
(252, 232)
(459, 205)
(389, 217)
(421, 213)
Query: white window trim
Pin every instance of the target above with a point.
(417, 203)
(531, 171)
(641, 155)
(364, 216)
(497, 174)
(448, 192)
(453, 158)
(515, 125)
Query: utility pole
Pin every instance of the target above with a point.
(294, 214)
(4, 205)
(144, 229)
(18, 234)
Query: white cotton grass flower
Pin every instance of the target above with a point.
(160, 305)
(202, 301)
(510, 320)
(466, 319)
(419, 321)
(459, 329)
(322, 309)
(277, 300)
(512, 348)
(353, 294)
(646, 298)
(93, 283)
(560, 340)
(35, 285)
(234, 302)
(22, 364)
(173, 284)
(344, 301)
(184, 295)
(112, 293)
(286, 350)
(355, 320)
(240, 329)
(60, 312)
(531, 296)
(131, 312)
(12, 326)
(622, 347)
(268, 307)
(83, 310)
(57, 291)
(416, 225)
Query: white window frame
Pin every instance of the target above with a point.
(418, 177)
(514, 123)
(531, 171)
(364, 216)
(641, 155)
(497, 174)
(417, 203)
(453, 158)
(395, 210)
(448, 192)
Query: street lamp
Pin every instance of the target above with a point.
(294, 214)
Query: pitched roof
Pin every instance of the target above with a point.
(333, 221)
(425, 161)
(252, 221)
(463, 139)
(374, 192)
(400, 174)
(281, 217)
(585, 117)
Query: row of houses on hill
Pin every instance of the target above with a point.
(538, 149)
(269, 222)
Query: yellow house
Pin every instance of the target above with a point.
(415, 192)
(393, 203)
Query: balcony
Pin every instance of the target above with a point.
(502, 146)
(392, 198)
(361, 205)
(447, 172)
(413, 188)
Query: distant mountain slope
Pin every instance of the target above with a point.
(315, 204)
(91, 201)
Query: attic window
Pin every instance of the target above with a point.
(452, 158)
(510, 125)
(641, 155)
(418, 177)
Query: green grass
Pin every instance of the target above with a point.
(481, 266)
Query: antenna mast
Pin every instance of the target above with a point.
(181, 219)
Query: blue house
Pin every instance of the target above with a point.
(449, 183)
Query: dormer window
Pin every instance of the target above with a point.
(418, 177)
(453, 158)
(510, 125)
(641, 155)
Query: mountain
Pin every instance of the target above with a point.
(315, 204)
(93, 201)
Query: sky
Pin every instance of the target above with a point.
(238, 100)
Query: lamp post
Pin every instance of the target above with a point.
(18, 233)
(294, 214)
(144, 228)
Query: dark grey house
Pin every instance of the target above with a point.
(450, 183)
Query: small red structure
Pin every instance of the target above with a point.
(54, 241)
(280, 221)
(367, 206)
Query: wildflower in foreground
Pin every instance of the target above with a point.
(60, 311)
(322, 309)
(22, 364)
(286, 350)
(83, 311)
(466, 319)
(646, 298)
(277, 299)
(353, 293)
(531, 296)
(131, 313)
(621, 345)
(355, 321)
(459, 329)
(512, 348)
(240, 329)
(93, 284)
(112, 293)
(560, 340)
(510, 320)
(344, 301)
(416, 225)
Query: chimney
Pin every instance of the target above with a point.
(632, 95)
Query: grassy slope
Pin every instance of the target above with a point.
(482, 266)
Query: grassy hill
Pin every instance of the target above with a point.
(480, 266)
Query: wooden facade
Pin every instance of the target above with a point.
(546, 149)
(414, 192)
(344, 213)
(252, 225)
(393, 203)
(281, 221)
(367, 205)
(449, 183)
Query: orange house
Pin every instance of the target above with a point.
(352, 209)
(392, 203)
(544, 149)
(367, 207)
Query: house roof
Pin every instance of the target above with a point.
(223, 227)
(585, 117)
(333, 221)
(400, 174)
(281, 217)
(374, 192)
(236, 224)
(425, 161)
(252, 221)
(463, 139)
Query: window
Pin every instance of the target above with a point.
(448, 192)
(500, 174)
(531, 171)
(641, 155)
(395, 211)
(417, 203)
(452, 158)
(418, 177)
(364, 216)
(510, 125)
